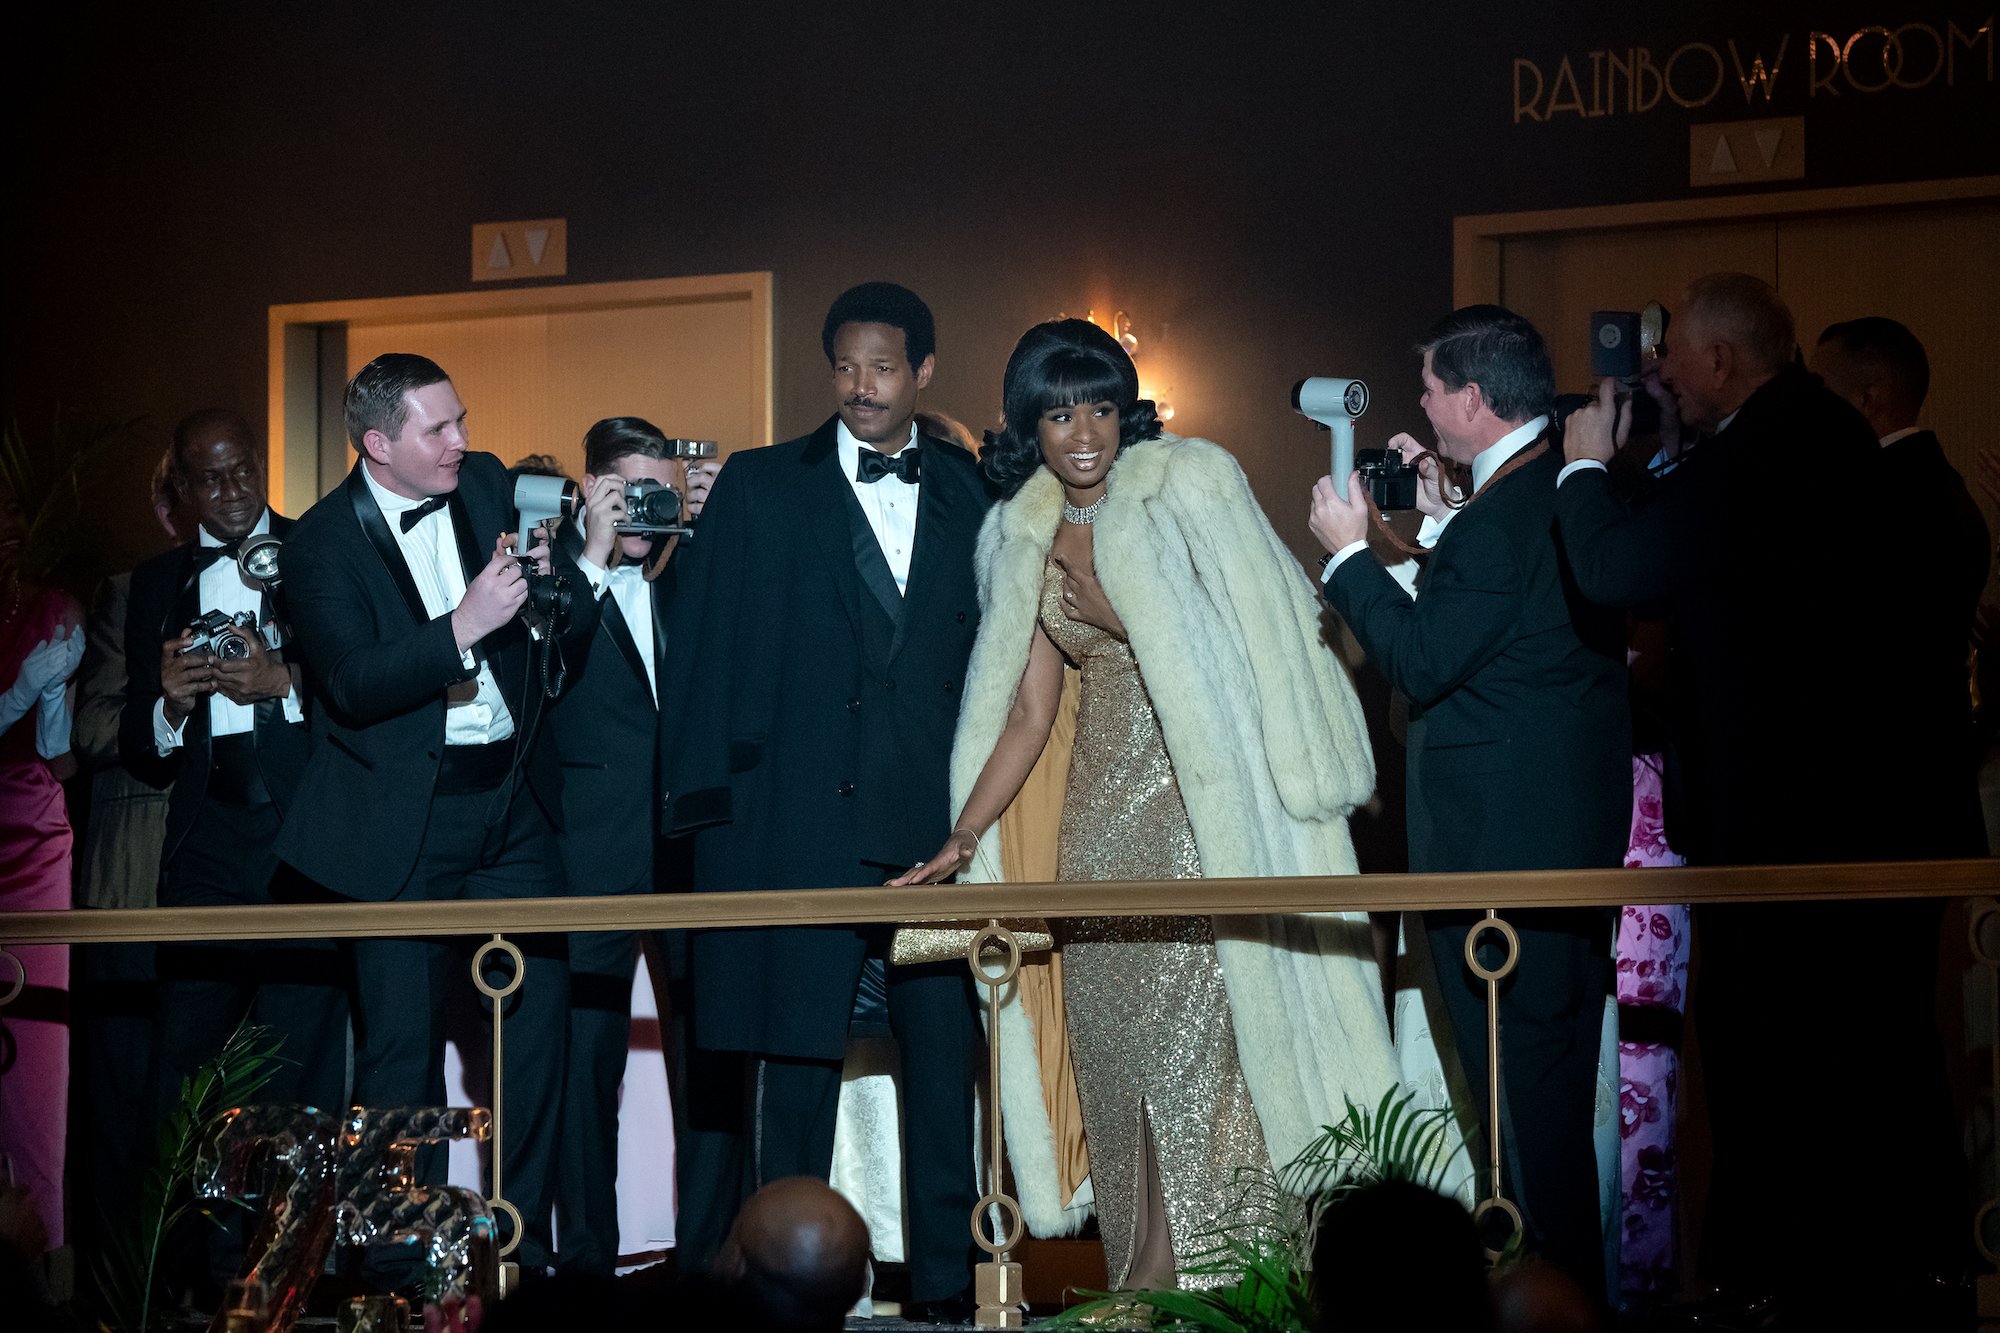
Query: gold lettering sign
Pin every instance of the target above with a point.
(1766, 71)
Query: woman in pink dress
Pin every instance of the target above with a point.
(41, 643)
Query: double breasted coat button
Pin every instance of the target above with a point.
(951, 687)
(853, 705)
(961, 617)
(847, 789)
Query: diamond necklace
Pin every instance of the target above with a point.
(1086, 515)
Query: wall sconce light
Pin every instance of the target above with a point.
(1125, 330)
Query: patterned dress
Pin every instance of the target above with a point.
(1151, 1033)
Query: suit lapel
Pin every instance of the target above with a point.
(376, 529)
(612, 617)
(869, 562)
(943, 535)
(621, 634)
(461, 528)
(828, 499)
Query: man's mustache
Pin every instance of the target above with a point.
(862, 402)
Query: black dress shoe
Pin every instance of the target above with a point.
(952, 1312)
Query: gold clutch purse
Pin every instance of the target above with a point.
(943, 941)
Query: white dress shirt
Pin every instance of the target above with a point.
(1895, 435)
(1484, 464)
(430, 549)
(627, 586)
(222, 588)
(890, 504)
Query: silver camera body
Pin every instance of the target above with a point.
(654, 508)
(1334, 403)
(220, 635)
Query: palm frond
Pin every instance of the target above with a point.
(1263, 1241)
(128, 1279)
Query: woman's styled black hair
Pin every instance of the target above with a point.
(1063, 363)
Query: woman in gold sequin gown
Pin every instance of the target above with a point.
(1167, 1114)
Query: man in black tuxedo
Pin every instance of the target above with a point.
(823, 621)
(1881, 368)
(1518, 748)
(431, 777)
(607, 737)
(229, 736)
(1796, 746)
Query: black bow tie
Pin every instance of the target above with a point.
(874, 466)
(417, 514)
(204, 556)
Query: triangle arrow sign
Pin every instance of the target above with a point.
(498, 257)
(1724, 161)
(1767, 144)
(538, 240)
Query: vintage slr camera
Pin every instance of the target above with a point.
(1390, 481)
(653, 508)
(219, 634)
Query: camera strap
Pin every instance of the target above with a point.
(1514, 464)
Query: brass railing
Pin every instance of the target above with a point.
(1181, 897)
(999, 1288)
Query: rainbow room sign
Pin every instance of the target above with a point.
(1791, 69)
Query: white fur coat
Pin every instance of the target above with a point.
(1267, 741)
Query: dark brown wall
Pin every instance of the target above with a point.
(1271, 197)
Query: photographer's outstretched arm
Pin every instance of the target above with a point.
(1623, 556)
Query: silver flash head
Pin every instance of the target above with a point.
(1327, 399)
(258, 559)
(1334, 403)
(539, 499)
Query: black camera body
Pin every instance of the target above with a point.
(1391, 482)
(550, 597)
(221, 635)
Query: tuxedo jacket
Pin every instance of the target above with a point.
(165, 597)
(379, 666)
(1519, 738)
(812, 741)
(606, 735)
(1771, 550)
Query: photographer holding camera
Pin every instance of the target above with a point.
(607, 737)
(1517, 747)
(430, 776)
(228, 735)
(1793, 748)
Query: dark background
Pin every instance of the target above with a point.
(1271, 195)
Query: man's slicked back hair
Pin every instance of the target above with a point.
(375, 396)
(620, 437)
(1501, 352)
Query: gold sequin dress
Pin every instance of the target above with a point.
(1151, 1034)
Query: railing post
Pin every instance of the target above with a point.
(997, 1282)
(1493, 976)
(510, 1272)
